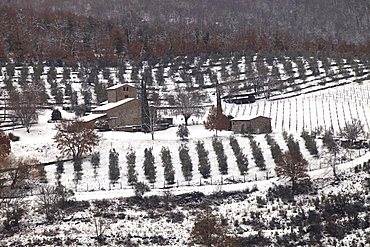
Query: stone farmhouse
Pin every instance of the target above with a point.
(122, 109)
(251, 125)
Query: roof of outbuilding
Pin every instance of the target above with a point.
(92, 117)
(118, 86)
(247, 118)
(112, 105)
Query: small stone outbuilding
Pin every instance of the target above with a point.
(251, 125)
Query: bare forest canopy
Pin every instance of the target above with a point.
(110, 30)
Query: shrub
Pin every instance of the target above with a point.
(140, 188)
(13, 137)
(56, 115)
(182, 132)
(14, 212)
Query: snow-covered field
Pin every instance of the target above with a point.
(328, 109)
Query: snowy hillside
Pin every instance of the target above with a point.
(255, 206)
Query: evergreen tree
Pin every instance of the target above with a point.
(199, 78)
(221, 156)
(101, 92)
(169, 173)
(10, 70)
(59, 96)
(276, 152)
(159, 76)
(257, 154)
(95, 162)
(86, 94)
(149, 168)
(182, 132)
(204, 166)
(145, 111)
(66, 73)
(68, 89)
(52, 74)
(186, 164)
(106, 73)
(293, 145)
(60, 167)
(131, 168)
(74, 99)
(24, 76)
(114, 172)
(121, 72)
(56, 115)
(310, 142)
(241, 159)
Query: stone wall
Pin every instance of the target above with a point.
(126, 114)
(257, 125)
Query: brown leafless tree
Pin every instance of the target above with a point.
(75, 138)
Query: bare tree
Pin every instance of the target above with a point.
(188, 103)
(75, 138)
(333, 148)
(210, 230)
(292, 166)
(352, 131)
(100, 226)
(51, 201)
(12, 210)
(24, 105)
(16, 170)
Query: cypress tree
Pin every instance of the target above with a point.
(114, 173)
(169, 173)
(131, 171)
(149, 168)
(186, 164)
(257, 154)
(203, 165)
(241, 159)
(221, 156)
